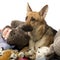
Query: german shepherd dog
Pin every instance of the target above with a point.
(41, 34)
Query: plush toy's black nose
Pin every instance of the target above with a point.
(11, 58)
(27, 28)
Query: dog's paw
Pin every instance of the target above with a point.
(30, 54)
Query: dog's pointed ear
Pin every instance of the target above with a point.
(43, 11)
(28, 8)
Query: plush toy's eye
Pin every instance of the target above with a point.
(38, 51)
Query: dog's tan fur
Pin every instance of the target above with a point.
(42, 34)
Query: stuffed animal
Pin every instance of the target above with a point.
(41, 52)
(18, 37)
(7, 55)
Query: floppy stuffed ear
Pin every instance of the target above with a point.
(43, 11)
(28, 8)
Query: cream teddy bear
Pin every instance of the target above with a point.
(42, 52)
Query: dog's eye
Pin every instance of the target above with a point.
(26, 17)
(32, 19)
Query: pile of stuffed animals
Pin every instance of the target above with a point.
(12, 55)
(20, 39)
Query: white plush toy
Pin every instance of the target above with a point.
(41, 53)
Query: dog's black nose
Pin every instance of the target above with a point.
(27, 28)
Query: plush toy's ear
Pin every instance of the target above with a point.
(28, 8)
(16, 23)
(43, 11)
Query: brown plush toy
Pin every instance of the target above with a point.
(18, 37)
(8, 55)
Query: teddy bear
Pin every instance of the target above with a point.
(8, 54)
(42, 52)
(53, 49)
(17, 36)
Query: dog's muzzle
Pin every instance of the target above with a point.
(27, 28)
